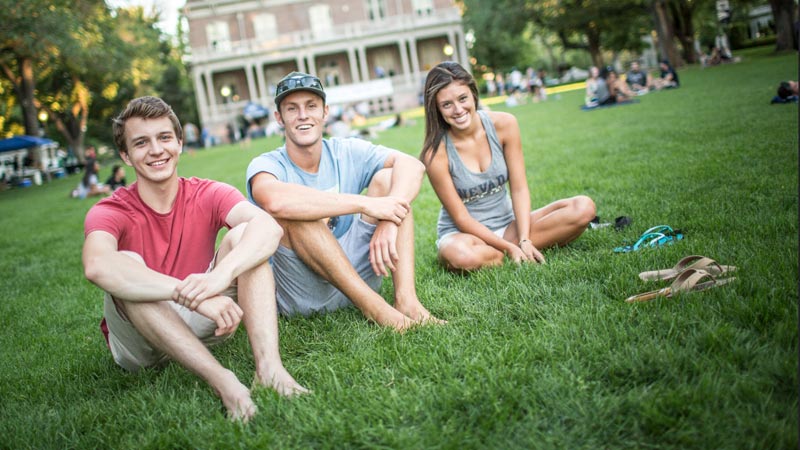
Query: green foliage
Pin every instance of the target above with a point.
(87, 64)
(532, 357)
(498, 31)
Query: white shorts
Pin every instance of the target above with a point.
(498, 232)
(132, 351)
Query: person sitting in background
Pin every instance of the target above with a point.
(668, 79)
(117, 178)
(787, 92)
(90, 185)
(610, 89)
(591, 87)
(637, 80)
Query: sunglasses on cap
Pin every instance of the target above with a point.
(306, 81)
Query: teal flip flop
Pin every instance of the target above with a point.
(654, 237)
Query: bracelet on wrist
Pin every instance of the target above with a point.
(524, 240)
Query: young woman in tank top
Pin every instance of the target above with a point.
(473, 158)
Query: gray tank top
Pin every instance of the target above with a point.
(483, 193)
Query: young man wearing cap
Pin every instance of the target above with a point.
(150, 247)
(337, 243)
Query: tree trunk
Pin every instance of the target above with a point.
(684, 29)
(666, 34)
(785, 14)
(27, 86)
(593, 38)
(71, 123)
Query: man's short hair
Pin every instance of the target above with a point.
(144, 108)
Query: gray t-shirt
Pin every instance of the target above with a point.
(346, 166)
(483, 193)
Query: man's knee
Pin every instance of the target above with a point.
(295, 230)
(381, 183)
(231, 239)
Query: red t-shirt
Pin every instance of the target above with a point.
(178, 243)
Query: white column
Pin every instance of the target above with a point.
(301, 64)
(312, 65)
(351, 57)
(251, 84)
(262, 84)
(412, 47)
(200, 96)
(403, 44)
(212, 97)
(462, 49)
(451, 39)
(364, 65)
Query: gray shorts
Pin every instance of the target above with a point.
(132, 351)
(300, 290)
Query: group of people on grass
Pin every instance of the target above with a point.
(169, 292)
(605, 87)
(90, 185)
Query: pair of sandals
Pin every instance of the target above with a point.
(654, 237)
(692, 273)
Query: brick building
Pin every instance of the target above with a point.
(376, 52)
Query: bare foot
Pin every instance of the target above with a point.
(417, 312)
(391, 317)
(237, 401)
(281, 381)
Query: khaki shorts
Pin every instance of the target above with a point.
(132, 351)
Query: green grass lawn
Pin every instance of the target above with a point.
(532, 357)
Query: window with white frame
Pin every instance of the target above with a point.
(218, 36)
(376, 9)
(321, 22)
(265, 26)
(422, 7)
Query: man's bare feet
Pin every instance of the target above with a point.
(417, 312)
(281, 381)
(390, 317)
(236, 398)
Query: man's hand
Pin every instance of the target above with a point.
(393, 209)
(223, 311)
(198, 287)
(383, 248)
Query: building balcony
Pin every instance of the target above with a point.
(286, 43)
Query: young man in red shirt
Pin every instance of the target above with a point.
(150, 247)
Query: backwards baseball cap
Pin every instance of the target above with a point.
(297, 81)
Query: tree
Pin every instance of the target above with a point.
(78, 62)
(682, 12)
(593, 25)
(32, 32)
(785, 14)
(498, 29)
(666, 32)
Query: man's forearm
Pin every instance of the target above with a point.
(125, 278)
(304, 203)
(407, 174)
